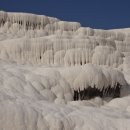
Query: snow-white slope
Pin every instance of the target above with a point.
(43, 60)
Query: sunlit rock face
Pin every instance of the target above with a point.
(37, 39)
(51, 70)
(40, 39)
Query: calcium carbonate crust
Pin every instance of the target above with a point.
(44, 61)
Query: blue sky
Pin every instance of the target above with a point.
(104, 14)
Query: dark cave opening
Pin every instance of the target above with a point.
(91, 92)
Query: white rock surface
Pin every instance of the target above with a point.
(42, 59)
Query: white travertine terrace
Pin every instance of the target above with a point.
(63, 43)
(38, 39)
(44, 61)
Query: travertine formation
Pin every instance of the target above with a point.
(49, 69)
(37, 39)
(45, 40)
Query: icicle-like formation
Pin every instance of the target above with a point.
(39, 39)
(91, 80)
(94, 81)
(105, 55)
(3, 18)
(63, 51)
(100, 77)
(26, 20)
(90, 75)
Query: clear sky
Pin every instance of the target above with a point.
(104, 14)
